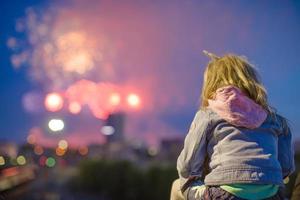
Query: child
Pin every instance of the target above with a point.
(237, 146)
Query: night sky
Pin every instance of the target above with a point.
(150, 47)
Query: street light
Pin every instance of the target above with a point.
(56, 125)
(107, 130)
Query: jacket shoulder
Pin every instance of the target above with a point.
(278, 123)
(208, 117)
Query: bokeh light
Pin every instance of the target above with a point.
(63, 144)
(133, 100)
(38, 150)
(101, 98)
(115, 99)
(60, 151)
(152, 151)
(83, 150)
(53, 102)
(50, 162)
(56, 125)
(21, 160)
(31, 139)
(108, 130)
(2, 161)
(74, 107)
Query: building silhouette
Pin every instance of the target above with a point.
(116, 121)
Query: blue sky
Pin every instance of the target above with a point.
(157, 47)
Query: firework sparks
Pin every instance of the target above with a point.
(74, 107)
(74, 55)
(89, 55)
(101, 98)
(58, 51)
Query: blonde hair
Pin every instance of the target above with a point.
(233, 70)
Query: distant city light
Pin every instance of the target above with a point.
(59, 151)
(50, 162)
(38, 150)
(74, 107)
(63, 144)
(115, 99)
(21, 160)
(152, 151)
(31, 139)
(133, 100)
(83, 151)
(108, 130)
(56, 125)
(53, 102)
(2, 161)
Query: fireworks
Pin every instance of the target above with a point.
(74, 107)
(57, 51)
(101, 98)
(74, 56)
(133, 100)
(86, 62)
(114, 99)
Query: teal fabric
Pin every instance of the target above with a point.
(251, 191)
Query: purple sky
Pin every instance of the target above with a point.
(152, 46)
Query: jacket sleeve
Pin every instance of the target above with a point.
(286, 153)
(190, 162)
